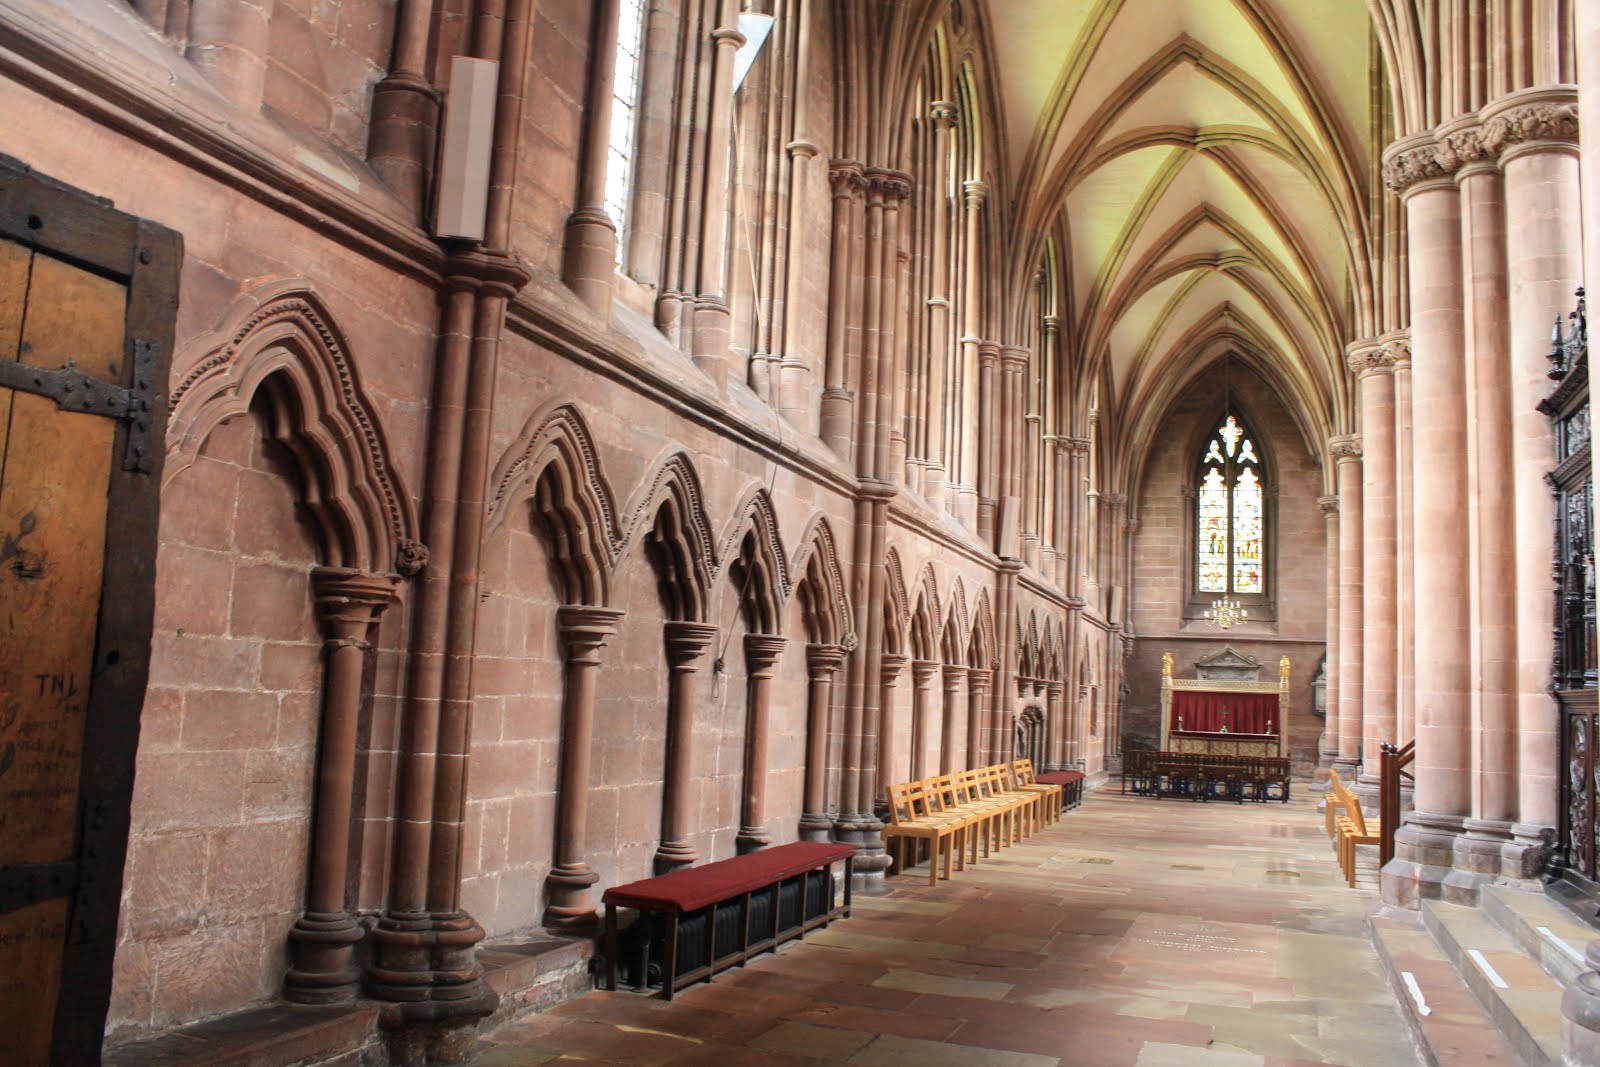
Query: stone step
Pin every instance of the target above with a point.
(534, 973)
(1447, 1023)
(1518, 996)
(1546, 929)
(279, 1035)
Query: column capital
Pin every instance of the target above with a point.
(953, 673)
(891, 664)
(823, 660)
(944, 114)
(894, 184)
(976, 192)
(924, 671)
(1535, 119)
(1345, 446)
(1398, 344)
(686, 642)
(1411, 163)
(761, 651)
(1075, 446)
(1114, 500)
(348, 601)
(1328, 504)
(1054, 689)
(846, 178)
(584, 630)
(1368, 356)
(979, 679)
(1052, 325)
(988, 353)
(1014, 356)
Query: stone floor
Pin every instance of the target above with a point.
(1135, 933)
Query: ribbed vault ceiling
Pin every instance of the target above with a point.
(1205, 166)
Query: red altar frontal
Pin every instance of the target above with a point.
(1224, 717)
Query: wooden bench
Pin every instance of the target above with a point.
(701, 920)
(1205, 776)
(1071, 783)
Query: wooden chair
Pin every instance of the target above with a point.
(1022, 774)
(913, 817)
(1354, 830)
(1331, 805)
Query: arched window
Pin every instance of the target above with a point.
(1230, 513)
(624, 104)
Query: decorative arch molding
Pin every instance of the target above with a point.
(681, 538)
(927, 616)
(984, 640)
(957, 631)
(280, 342)
(768, 587)
(819, 557)
(899, 601)
(555, 430)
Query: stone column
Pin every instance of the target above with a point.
(987, 428)
(405, 111)
(1424, 843)
(686, 643)
(924, 672)
(712, 321)
(968, 432)
(1055, 728)
(1536, 133)
(954, 674)
(848, 183)
(822, 662)
(1346, 451)
(1405, 535)
(228, 41)
(1328, 745)
(584, 631)
(891, 665)
(322, 941)
(1493, 596)
(943, 114)
(979, 683)
(1371, 365)
(589, 254)
(761, 653)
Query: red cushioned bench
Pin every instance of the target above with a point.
(1071, 783)
(790, 886)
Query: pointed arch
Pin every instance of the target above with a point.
(752, 556)
(898, 603)
(925, 628)
(668, 516)
(981, 651)
(279, 345)
(825, 599)
(957, 632)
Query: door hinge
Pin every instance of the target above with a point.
(73, 390)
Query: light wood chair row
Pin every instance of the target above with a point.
(954, 813)
(1348, 826)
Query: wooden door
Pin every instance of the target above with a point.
(87, 298)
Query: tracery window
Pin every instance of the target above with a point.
(624, 105)
(1230, 513)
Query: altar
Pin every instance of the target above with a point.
(1224, 716)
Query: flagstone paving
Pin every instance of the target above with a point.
(1134, 933)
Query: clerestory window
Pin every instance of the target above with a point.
(624, 118)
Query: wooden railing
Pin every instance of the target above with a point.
(1392, 766)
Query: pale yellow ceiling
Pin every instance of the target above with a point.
(1212, 160)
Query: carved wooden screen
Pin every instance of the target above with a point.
(87, 299)
(1574, 608)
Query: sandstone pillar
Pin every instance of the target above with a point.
(847, 182)
(1537, 135)
(936, 454)
(822, 663)
(712, 321)
(1347, 461)
(761, 653)
(924, 672)
(979, 683)
(1055, 728)
(889, 674)
(1405, 606)
(987, 426)
(584, 632)
(686, 643)
(1371, 365)
(228, 42)
(589, 253)
(1328, 744)
(405, 111)
(969, 428)
(322, 942)
(1493, 593)
(954, 675)
(1424, 843)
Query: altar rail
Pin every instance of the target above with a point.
(1195, 776)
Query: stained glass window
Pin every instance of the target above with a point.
(1230, 531)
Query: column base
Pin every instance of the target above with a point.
(815, 827)
(835, 419)
(673, 855)
(751, 839)
(1424, 857)
(322, 958)
(1477, 859)
(1580, 1014)
(872, 861)
(1528, 853)
(570, 908)
(426, 967)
